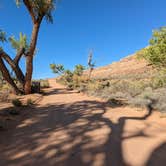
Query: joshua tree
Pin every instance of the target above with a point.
(79, 69)
(91, 64)
(38, 9)
(57, 68)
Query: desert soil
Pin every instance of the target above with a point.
(67, 128)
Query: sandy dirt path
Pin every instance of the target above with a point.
(71, 129)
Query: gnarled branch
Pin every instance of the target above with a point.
(7, 76)
(20, 53)
(15, 67)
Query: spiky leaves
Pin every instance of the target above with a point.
(2, 36)
(57, 68)
(39, 8)
(79, 69)
(19, 43)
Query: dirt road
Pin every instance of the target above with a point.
(72, 129)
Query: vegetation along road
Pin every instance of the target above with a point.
(70, 128)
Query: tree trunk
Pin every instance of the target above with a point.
(29, 58)
(15, 67)
(28, 76)
(90, 73)
(19, 75)
(7, 76)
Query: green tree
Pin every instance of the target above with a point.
(79, 69)
(57, 68)
(155, 53)
(38, 10)
(68, 76)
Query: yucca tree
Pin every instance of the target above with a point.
(91, 64)
(38, 10)
(14, 64)
(2, 36)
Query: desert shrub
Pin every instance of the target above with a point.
(159, 80)
(82, 87)
(139, 102)
(126, 86)
(94, 86)
(132, 76)
(16, 103)
(105, 83)
(5, 91)
(6, 87)
(117, 102)
(29, 102)
(118, 95)
(60, 80)
(4, 96)
(79, 70)
(70, 85)
(160, 96)
(79, 80)
(76, 81)
(57, 68)
(155, 98)
(142, 100)
(113, 88)
(68, 76)
(44, 84)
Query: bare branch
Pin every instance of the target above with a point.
(20, 53)
(7, 58)
(14, 66)
(7, 76)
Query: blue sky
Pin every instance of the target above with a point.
(112, 28)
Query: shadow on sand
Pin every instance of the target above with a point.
(60, 135)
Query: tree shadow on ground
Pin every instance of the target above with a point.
(74, 134)
(158, 156)
(59, 91)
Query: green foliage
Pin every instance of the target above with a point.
(79, 70)
(69, 78)
(44, 84)
(155, 54)
(41, 7)
(15, 43)
(57, 68)
(29, 102)
(16, 103)
(68, 75)
(20, 43)
(154, 98)
(159, 79)
(2, 36)
(4, 95)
